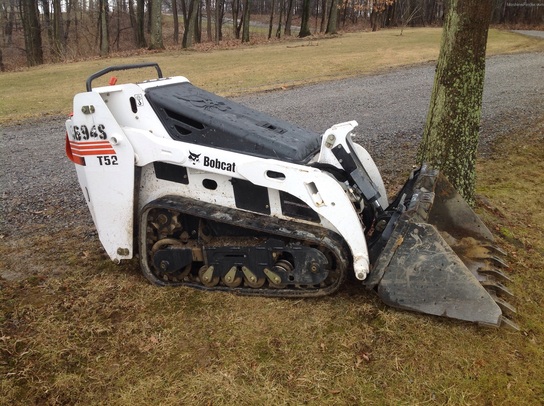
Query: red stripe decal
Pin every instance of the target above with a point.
(92, 148)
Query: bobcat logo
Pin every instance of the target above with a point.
(194, 157)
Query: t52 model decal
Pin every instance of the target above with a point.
(78, 150)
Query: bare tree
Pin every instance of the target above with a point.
(219, 13)
(280, 19)
(245, 19)
(57, 46)
(209, 20)
(271, 22)
(289, 17)
(324, 6)
(333, 18)
(32, 32)
(176, 20)
(189, 32)
(8, 20)
(155, 41)
(103, 29)
(139, 29)
(305, 19)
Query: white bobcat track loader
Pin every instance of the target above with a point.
(216, 196)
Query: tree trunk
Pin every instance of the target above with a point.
(450, 139)
(209, 20)
(156, 25)
(271, 22)
(189, 32)
(333, 18)
(104, 34)
(245, 26)
(198, 25)
(305, 21)
(140, 24)
(235, 13)
(69, 12)
(8, 17)
(47, 21)
(31, 28)
(148, 22)
(219, 12)
(282, 9)
(289, 18)
(58, 32)
(176, 21)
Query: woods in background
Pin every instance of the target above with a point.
(39, 31)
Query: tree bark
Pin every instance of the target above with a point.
(209, 20)
(219, 12)
(333, 18)
(140, 24)
(450, 138)
(58, 31)
(305, 21)
(289, 18)
(176, 21)
(189, 32)
(156, 25)
(245, 25)
(324, 8)
(237, 26)
(47, 21)
(31, 28)
(271, 22)
(282, 9)
(104, 33)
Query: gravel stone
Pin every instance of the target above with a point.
(39, 191)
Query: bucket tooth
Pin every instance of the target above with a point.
(509, 324)
(505, 307)
(496, 273)
(497, 287)
(499, 262)
(496, 249)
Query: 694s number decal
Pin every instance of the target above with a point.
(83, 132)
(87, 143)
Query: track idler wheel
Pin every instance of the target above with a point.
(252, 280)
(208, 276)
(232, 278)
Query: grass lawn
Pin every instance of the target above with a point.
(84, 331)
(49, 89)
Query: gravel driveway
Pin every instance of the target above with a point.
(39, 190)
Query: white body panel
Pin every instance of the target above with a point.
(139, 139)
(107, 178)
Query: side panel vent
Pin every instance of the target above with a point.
(172, 173)
(294, 207)
(251, 197)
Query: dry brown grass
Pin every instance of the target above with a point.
(49, 89)
(84, 331)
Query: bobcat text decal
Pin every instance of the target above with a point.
(212, 162)
(217, 164)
